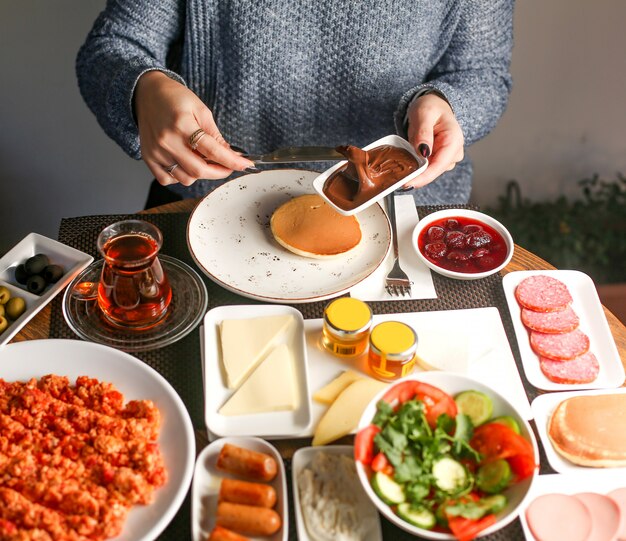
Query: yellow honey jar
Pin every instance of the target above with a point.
(346, 327)
(392, 347)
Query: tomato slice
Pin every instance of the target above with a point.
(465, 529)
(435, 400)
(364, 444)
(381, 463)
(497, 441)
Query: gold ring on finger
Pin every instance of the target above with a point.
(195, 138)
(170, 169)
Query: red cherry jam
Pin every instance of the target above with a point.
(462, 244)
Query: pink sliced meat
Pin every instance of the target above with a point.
(558, 517)
(562, 321)
(605, 516)
(583, 369)
(542, 293)
(619, 497)
(559, 347)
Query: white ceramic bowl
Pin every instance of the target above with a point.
(394, 140)
(427, 221)
(454, 384)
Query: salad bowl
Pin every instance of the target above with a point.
(452, 480)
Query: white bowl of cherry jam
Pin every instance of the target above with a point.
(463, 244)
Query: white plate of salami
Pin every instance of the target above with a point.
(551, 494)
(564, 339)
(611, 423)
(244, 471)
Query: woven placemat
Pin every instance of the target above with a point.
(180, 363)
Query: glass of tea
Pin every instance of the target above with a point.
(133, 290)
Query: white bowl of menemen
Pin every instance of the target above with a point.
(444, 457)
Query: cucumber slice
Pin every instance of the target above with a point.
(507, 420)
(420, 517)
(476, 405)
(387, 489)
(450, 475)
(494, 477)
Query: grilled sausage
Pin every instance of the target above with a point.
(248, 519)
(246, 463)
(222, 534)
(247, 493)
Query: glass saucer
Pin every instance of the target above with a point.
(186, 310)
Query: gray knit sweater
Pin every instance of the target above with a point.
(305, 72)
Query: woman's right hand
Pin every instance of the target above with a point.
(168, 113)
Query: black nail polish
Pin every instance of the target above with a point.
(252, 169)
(424, 150)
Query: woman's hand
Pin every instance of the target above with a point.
(436, 135)
(168, 114)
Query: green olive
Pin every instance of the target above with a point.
(1, 310)
(15, 307)
(5, 294)
(3, 323)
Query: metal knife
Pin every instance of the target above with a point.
(297, 154)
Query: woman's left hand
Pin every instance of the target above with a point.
(435, 134)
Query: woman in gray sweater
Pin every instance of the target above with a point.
(264, 74)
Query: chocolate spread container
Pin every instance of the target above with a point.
(347, 208)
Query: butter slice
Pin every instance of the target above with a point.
(271, 387)
(246, 341)
(330, 391)
(344, 414)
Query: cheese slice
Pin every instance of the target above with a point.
(245, 342)
(270, 387)
(344, 414)
(330, 391)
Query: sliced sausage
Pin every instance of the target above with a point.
(234, 491)
(550, 322)
(222, 534)
(583, 369)
(559, 347)
(619, 497)
(605, 515)
(248, 519)
(247, 463)
(543, 293)
(558, 517)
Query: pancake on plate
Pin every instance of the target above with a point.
(310, 227)
(590, 430)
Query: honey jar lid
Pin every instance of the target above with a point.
(348, 314)
(394, 338)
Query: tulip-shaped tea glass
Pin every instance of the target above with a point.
(133, 290)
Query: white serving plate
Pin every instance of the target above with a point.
(480, 344)
(272, 424)
(206, 486)
(394, 140)
(598, 481)
(135, 380)
(301, 459)
(229, 237)
(73, 261)
(593, 323)
(454, 384)
(542, 408)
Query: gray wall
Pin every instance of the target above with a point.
(566, 118)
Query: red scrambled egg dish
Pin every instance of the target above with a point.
(74, 459)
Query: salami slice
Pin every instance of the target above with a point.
(543, 293)
(605, 515)
(550, 322)
(619, 497)
(555, 517)
(559, 347)
(583, 369)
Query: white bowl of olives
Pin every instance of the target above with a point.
(31, 274)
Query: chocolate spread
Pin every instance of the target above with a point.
(367, 173)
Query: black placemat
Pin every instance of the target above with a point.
(180, 363)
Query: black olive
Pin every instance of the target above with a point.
(21, 276)
(36, 264)
(36, 284)
(52, 273)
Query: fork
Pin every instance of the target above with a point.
(397, 283)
